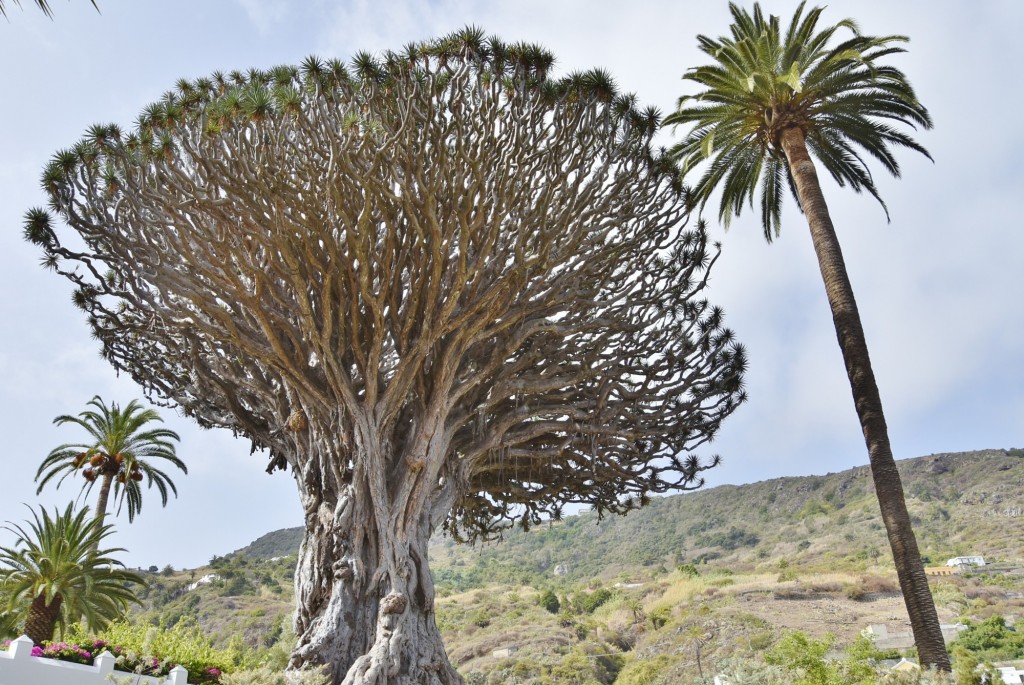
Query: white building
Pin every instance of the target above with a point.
(1010, 675)
(205, 580)
(966, 561)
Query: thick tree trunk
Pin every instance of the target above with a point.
(364, 593)
(889, 488)
(42, 618)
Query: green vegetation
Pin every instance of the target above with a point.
(549, 600)
(634, 622)
(646, 612)
(271, 676)
(56, 574)
(990, 640)
(704, 528)
(148, 650)
(729, 540)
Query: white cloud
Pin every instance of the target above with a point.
(266, 14)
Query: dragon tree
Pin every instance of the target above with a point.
(442, 286)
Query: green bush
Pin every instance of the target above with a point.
(730, 540)
(269, 676)
(643, 671)
(990, 640)
(549, 600)
(237, 585)
(688, 570)
(595, 599)
(151, 650)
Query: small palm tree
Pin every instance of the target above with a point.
(769, 105)
(119, 454)
(44, 5)
(55, 574)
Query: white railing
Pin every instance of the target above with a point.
(19, 667)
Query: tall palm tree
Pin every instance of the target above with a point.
(44, 5)
(119, 453)
(56, 574)
(767, 104)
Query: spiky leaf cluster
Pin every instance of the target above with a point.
(445, 247)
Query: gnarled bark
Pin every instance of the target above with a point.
(364, 592)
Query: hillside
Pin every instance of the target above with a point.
(960, 503)
(723, 571)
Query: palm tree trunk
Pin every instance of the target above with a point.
(42, 618)
(924, 621)
(101, 499)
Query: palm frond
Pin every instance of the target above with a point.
(44, 5)
(125, 440)
(61, 556)
(827, 81)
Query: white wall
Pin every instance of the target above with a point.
(19, 667)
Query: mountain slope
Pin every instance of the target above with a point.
(718, 572)
(965, 503)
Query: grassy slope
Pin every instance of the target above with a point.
(806, 553)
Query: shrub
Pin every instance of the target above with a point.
(480, 618)
(990, 640)
(733, 539)
(761, 641)
(855, 592)
(643, 671)
(879, 584)
(688, 570)
(268, 676)
(549, 600)
(787, 575)
(659, 617)
(155, 651)
(237, 585)
(595, 599)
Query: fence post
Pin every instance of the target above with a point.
(105, 663)
(21, 648)
(178, 676)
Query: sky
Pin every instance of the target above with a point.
(939, 287)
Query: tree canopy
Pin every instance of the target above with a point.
(441, 285)
(448, 224)
(765, 78)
